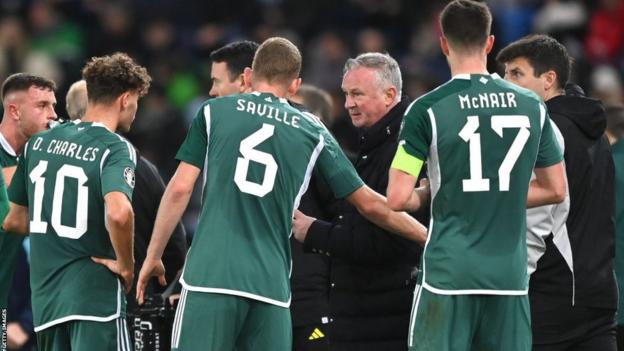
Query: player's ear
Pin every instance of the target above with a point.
(489, 44)
(13, 110)
(550, 80)
(390, 95)
(247, 76)
(294, 87)
(242, 83)
(444, 45)
(245, 83)
(123, 100)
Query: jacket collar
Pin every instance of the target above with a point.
(387, 127)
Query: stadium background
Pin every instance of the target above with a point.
(173, 39)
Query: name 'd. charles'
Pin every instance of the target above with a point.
(67, 149)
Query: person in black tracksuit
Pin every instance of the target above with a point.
(148, 190)
(573, 293)
(372, 271)
(309, 278)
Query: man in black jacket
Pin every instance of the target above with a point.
(573, 291)
(372, 271)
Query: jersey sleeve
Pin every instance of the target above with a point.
(118, 169)
(4, 198)
(414, 140)
(193, 149)
(549, 152)
(336, 169)
(17, 190)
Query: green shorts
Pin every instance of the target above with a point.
(469, 322)
(220, 322)
(86, 335)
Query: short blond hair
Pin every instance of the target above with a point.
(277, 61)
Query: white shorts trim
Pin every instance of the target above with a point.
(236, 293)
(81, 317)
(474, 291)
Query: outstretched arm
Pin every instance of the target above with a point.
(402, 194)
(172, 206)
(8, 173)
(16, 220)
(374, 207)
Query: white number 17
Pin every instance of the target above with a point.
(469, 134)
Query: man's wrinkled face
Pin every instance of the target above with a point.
(519, 71)
(222, 85)
(35, 108)
(365, 100)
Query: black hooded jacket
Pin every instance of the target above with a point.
(590, 222)
(372, 271)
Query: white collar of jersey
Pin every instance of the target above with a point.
(6, 146)
(467, 76)
(98, 124)
(76, 121)
(282, 100)
(462, 76)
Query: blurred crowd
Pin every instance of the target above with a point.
(173, 39)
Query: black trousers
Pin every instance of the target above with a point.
(620, 337)
(311, 338)
(585, 329)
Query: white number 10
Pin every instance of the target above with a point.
(37, 225)
(469, 134)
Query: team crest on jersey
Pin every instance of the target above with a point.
(129, 176)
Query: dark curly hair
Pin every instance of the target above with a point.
(110, 76)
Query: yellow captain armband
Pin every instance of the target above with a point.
(406, 162)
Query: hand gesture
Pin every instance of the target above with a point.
(151, 268)
(125, 273)
(300, 225)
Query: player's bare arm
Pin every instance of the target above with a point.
(8, 173)
(174, 201)
(120, 219)
(375, 208)
(402, 194)
(548, 187)
(16, 220)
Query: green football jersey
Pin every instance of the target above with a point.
(9, 246)
(62, 178)
(257, 153)
(10, 243)
(481, 136)
(8, 156)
